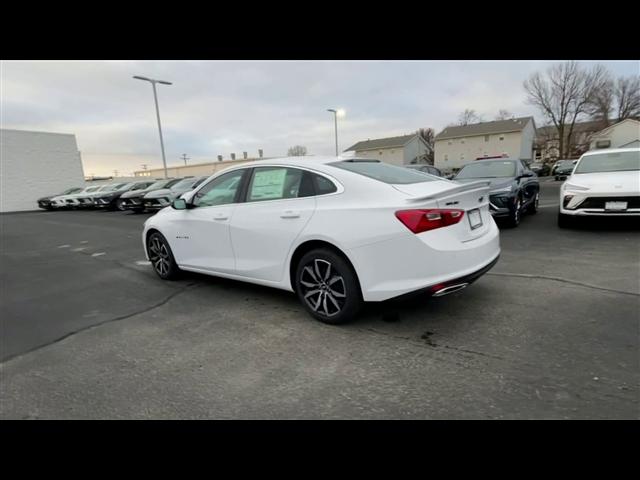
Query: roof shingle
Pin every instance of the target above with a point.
(381, 143)
(484, 128)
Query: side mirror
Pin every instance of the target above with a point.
(179, 204)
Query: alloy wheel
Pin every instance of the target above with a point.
(323, 288)
(159, 255)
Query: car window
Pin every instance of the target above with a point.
(323, 185)
(383, 172)
(609, 162)
(274, 183)
(488, 169)
(221, 190)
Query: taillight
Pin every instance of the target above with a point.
(422, 220)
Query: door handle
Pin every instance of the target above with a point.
(221, 216)
(290, 214)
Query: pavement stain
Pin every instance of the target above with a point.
(426, 336)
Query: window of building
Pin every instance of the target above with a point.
(446, 158)
(486, 138)
(461, 141)
(462, 156)
(501, 137)
(449, 142)
(380, 152)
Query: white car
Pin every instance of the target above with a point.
(70, 201)
(603, 183)
(335, 231)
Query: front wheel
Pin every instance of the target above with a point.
(533, 209)
(514, 216)
(161, 257)
(328, 287)
(565, 221)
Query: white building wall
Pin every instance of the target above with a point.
(457, 152)
(526, 142)
(395, 155)
(623, 133)
(414, 148)
(34, 165)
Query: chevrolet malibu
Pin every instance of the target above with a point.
(604, 183)
(337, 232)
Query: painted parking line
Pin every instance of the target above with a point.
(98, 254)
(78, 249)
(555, 205)
(143, 262)
(84, 241)
(64, 246)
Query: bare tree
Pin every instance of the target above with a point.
(600, 105)
(504, 115)
(627, 92)
(468, 117)
(563, 94)
(297, 151)
(428, 135)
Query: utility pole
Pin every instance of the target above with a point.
(155, 98)
(185, 158)
(115, 173)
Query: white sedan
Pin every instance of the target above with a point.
(603, 183)
(73, 200)
(335, 231)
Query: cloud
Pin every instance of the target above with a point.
(219, 107)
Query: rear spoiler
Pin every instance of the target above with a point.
(467, 187)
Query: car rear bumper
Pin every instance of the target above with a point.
(408, 263)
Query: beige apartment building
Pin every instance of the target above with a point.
(456, 146)
(402, 150)
(195, 170)
(624, 134)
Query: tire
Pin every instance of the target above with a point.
(557, 178)
(337, 298)
(120, 206)
(564, 221)
(161, 257)
(533, 208)
(514, 217)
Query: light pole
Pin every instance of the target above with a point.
(155, 97)
(336, 114)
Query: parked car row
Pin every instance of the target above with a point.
(137, 196)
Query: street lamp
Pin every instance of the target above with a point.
(155, 97)
(336, 113)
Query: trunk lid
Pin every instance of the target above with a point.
(471, 197)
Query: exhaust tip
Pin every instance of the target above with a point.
(450, 289)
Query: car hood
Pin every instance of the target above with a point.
(608, 182)
(496, 183)
(135, 193)
(162, 192)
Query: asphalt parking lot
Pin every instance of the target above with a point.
(89, 331)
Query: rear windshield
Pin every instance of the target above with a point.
(383, 172)
(609, 162)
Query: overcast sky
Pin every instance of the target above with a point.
(216, 108)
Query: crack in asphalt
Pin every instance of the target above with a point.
(563, 280)
(104, 322)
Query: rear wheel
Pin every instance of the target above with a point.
(161, 257)
(328, 287)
